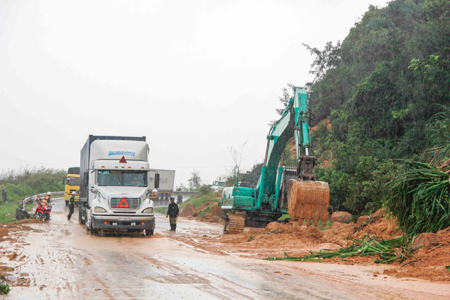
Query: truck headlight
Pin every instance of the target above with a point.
(99, 209)
(148, 210)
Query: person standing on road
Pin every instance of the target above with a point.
(173, 213)
(71, 205)
(180, 198)
(4, 196)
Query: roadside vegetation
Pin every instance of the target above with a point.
(379, 95)
(25, 183)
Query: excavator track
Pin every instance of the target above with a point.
(234, 223)
(308, 200)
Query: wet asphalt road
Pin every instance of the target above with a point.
(62, 261)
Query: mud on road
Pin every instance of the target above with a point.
(59, 260)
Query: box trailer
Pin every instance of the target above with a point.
(166, 183)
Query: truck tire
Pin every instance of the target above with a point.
(67, 203)
(149, 232)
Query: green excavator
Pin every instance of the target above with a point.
(281, 190)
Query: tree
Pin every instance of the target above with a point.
(324, 60)
(237, 154)
(180, 188)
(195, 181)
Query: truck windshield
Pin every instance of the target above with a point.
(122, 178)
(73, 181)
(219, 183)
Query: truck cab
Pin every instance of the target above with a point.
(116, 182)
(72, 184)
(219, 183)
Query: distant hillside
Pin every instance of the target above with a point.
(379, 90)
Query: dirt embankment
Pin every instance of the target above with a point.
(209, 211)
(428, 262)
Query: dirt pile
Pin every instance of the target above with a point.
(430, 260)
(341, 216)
(385, 228)
(361, 221)
(188, 211)
(213, 213)
(204, 206)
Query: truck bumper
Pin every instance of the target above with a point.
(123, 222)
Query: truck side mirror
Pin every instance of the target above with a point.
(156, 180)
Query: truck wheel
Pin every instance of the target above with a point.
(67, 203)
(149, 232)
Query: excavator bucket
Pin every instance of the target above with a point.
(308, 200)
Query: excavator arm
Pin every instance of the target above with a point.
(307, 199)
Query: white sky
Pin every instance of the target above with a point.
(195, 77)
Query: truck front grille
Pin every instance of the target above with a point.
(133, 203)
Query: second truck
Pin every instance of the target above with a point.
(116, 181)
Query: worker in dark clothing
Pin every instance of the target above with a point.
(173, 213)
(180, 198)
(4, 196)
(71, 205)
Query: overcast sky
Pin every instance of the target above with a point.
(196, 77)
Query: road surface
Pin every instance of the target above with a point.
(61, 261)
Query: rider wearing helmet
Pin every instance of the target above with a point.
(71, 205)
(49, 194)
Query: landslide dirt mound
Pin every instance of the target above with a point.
(188, 211)
(341, 216)
(385, 228)
(213, 213)
(204, 206)
(430, 261)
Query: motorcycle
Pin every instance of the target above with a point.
(42, 211)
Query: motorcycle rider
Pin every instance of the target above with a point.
(49, 195)
(71, 205)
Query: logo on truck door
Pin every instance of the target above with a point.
(123, 204)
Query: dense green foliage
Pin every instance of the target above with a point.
(383, 91)
(23, 183)
(420, 199)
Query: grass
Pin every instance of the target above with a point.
(8, 211)
(386, 251)
(419, 198)
(196, 201)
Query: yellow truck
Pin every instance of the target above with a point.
(72, 182)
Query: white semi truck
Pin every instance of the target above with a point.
(116, 182)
